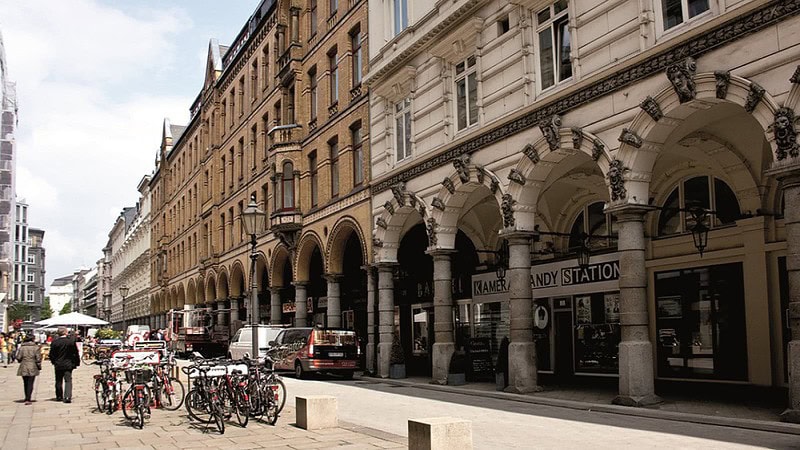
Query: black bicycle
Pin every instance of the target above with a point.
(136, 401)
(203, 402)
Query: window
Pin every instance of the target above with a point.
(466, 93)
(355, 43)
(402, 128)
(312, 75)
(312, 168)
(265, 66)
(31, 258)
(30, 277)
(288, 186)
(313, 17)
(334, 6)
(554, 44)
(254, 80)
(400, 16)
(594, 222)
(334, 68)
(334, 155)
(503, 25)
(676, 12)
(358, 154)
(29, 297)
(241, 96)
(704, 192)
(254, 144)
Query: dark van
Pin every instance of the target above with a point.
(306, 350)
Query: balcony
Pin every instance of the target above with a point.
(332, 20)
(286, 220)
(355, 92)
(284, 136)
(293, 53)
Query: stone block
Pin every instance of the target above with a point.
(439, 433)
(316, 412)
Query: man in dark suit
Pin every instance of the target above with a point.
(64, 356)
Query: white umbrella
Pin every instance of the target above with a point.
(71, 319)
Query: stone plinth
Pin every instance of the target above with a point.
(439, 433)
(316, 412)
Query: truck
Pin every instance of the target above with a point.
(193, 330)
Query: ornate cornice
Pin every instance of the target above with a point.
(731, 31)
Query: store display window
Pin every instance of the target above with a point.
(493, 321)
(597, 333)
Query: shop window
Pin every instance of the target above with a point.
(676, 12)
(554, 44)
(492, 321)
(700, 322)
(402, 128)
(466, 81)
(704, 192)
(287, 181)
(419, 331)
(597, 333)
(595, 222)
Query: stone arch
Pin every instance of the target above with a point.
(570, 211)
(305, 248)
(191, 292)
(211, 287)
(447, 206)
(638, 156)
(342, 230)
(173, 298)
(223, 287)
(389, 225)
(180, 298)
(262, 272)
(200, 291)
(793, 100)
(280, 256)
(537, 162)
(238, 284)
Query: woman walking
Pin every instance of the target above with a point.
(30, 363)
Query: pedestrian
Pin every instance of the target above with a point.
(30, 363)
(4, 349)
(10, 347)
(65, 358)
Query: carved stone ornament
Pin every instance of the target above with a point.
(785, 134)
(577, 137)
(796, 77)
(422, 211)
(399, 192)
(616, 180)
(430, 227)
(448, 184)
(461, 165)
(377, 242)
(630, 138)
(517, 177)
(494, 185)
(412, 200)
(597, 149)
(681, 75)
(389, 207)
(549, 129)
(530, 151)
(480, 173)
(723, 79)
(507, 207)
(754, 96)
(381, 222)
(437, 203)
(651, 107)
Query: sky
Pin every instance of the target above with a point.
(95, 80)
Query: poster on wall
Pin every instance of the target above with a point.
(612, 307)
(583, 310)
(669, 307)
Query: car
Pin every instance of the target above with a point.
(241, 344)
(308, 350)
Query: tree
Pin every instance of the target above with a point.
(47, 311)
(66, 309)
(18, 311)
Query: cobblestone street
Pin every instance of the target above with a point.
(51, 424)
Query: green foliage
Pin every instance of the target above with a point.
(47, 311)
(18, 311)
(397, 356)
(66, 309)
(108, 333)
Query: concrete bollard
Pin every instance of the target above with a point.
(316, 412)
(439, 433)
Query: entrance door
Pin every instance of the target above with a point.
(565, 366)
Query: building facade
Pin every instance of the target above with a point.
(25, 284)
(36, 269)
(513, 140)
(282, 119)
(128, 264)
(60, 293)
(8, 125)
(78, 285)
(89, 293)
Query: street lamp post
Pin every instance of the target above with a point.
(253, 220)
(123, 291)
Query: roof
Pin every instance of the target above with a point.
(62, 281)
(176, 131)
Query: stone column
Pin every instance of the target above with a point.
(636, 380)
(788, 173)
(301, 310)
(444, 339)
(275, 307)
(234, 309)
(371, 307)
(222, 315)
(385, 316)
(334, 301)
(522, 377)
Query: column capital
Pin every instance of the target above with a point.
(786, 171)
(300, 283)
(517, 236)
(440, 253)
(333, 277)
(628, 212)
(386, 266)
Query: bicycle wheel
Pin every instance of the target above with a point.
(140, 409)
(197, 406)
(280, 393)
(171, 394)
(129, 404)
(256, 400)
(272, 412)
(100, 394)
(216, 414)
(242, 407)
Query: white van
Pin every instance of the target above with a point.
(242, 342)
(136, 333)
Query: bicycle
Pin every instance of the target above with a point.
(107, 387)
(267, 393)
(233, 392)
(203, 398)
(168, 390)
(136, 401)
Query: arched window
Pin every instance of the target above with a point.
(287, 182)
(595, 222)
(705, 192)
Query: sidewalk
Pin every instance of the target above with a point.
(49, 424)
(754, 415)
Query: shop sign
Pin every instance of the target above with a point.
(486, 287)
(565, 277)
(291, 307)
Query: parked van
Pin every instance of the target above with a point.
(136, 333)
(305, 350)
(242, 342)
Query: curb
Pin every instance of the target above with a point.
(749, 424)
